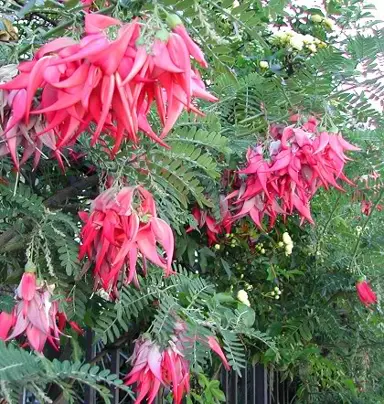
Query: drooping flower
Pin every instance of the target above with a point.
(14, 132)
(35, 315)
(215, 346)
(121, 227)
(111, 83)
(153, 367)
(365, 293)
(300, 160)
(213, 227)
(146, 372)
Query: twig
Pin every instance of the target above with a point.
(327, 223)
(38, 14)
(251, 32)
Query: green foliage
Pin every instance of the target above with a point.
(20, 369)
(304, 318)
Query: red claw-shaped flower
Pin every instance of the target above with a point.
(154, 367)
(7, 320)
(365, 293)
(213, 227)
(27, 287)
(109, 85)
(215, 346)
(299, 161)
(121, 228)
(146, 372)
(35, 315)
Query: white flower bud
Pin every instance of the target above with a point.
(308, 39)
(312, 48)
(242, 296)
(288, 249)
(297, 42)
(329, 23)
(264, 64)
(316, 18)
(287, 238)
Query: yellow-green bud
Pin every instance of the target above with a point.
(316, 18)
(329, 23)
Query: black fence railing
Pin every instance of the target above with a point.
(257, 385)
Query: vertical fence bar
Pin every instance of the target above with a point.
(244, 387)
(226, 384)
(253, 384)
(22, 398)
(115, 368)
(260, 385)
(233, 388)
(90, 352)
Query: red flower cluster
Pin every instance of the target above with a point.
(35, 315)
(366, 207)
(153, 368)
(214, 227)
(120, 227)
(365, 293)
(110, 83)
(300, 160)
(372, 182)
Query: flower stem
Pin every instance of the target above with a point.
(356, 248)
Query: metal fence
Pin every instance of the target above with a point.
(257, 385)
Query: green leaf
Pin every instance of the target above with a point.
(247, 314)
(7, 303)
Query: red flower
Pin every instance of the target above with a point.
(27, 287)
(300, 161)
(153, 367)
(366, 295)
(214, 227)
(7, 321)
(109, 83)
(366, 207)
(121, 227)
(214, 345)
(35, 315)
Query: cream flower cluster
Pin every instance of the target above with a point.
(295, 41)
(242, 296)
(288, 243)
(317, 18)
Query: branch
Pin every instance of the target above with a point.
(53, 201)
(64, 194)
(40, 15)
